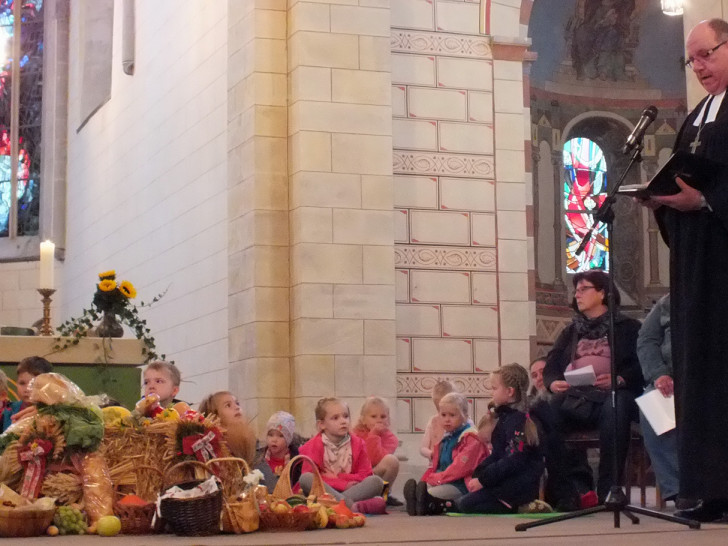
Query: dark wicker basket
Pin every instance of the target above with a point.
(135, 519)
(199, 516)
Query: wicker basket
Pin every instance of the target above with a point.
(237, 516)
(137, 520)
(292, 521)
(24, 523)
(199, 516)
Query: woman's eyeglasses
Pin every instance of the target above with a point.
(583, 289)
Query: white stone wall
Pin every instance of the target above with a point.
(461, 256)
(20, 302)
(147, 184)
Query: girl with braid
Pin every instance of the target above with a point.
(510, 476)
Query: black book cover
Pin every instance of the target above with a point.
(697, 171)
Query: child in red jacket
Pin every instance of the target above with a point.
(373, 428)
(454, 459)
(342, 460)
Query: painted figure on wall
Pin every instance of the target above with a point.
(598, 34)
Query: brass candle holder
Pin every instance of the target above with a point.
(46, 329)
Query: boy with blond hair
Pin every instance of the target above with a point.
(163, 379)
(434, 430)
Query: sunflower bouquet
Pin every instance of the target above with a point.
(111, 298)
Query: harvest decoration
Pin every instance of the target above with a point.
(198, 438)
(111, 299)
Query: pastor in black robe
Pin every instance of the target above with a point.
(698, 242)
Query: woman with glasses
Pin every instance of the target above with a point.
(585, 343)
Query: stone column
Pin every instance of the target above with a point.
(258, 263)
(557, 159)
(341, 204)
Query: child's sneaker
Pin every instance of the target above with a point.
(589, 500)
(535, 507)
(375, 505)
(410, 496)
(394, 501)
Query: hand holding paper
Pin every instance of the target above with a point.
(581, 377)
(659, 410)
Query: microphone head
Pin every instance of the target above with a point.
(650, 112)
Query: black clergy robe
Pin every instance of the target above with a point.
(698, 242)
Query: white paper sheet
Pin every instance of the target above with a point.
(659, 411)
(581, 377)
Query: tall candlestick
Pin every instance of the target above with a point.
(47, 252)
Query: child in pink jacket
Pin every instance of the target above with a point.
(454, 459)
(342, 460)
(381, 443)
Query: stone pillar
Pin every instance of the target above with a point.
(557, 160)
(341, 204)
(517, 309)
(258, 263)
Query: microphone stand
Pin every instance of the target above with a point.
(616, 501)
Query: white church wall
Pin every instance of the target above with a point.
(147, 184)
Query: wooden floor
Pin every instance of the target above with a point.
(398, 528)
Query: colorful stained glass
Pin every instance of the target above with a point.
(31, 90)
(585, 188)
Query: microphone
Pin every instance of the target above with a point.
(635, 138)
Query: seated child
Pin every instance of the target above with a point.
(453, 461)
(434, 431)
(485, 428)
(163, 379)
(7, 407)
(510, 476)
(27, 369)
(280, 446)
(342, 460)
(238, 433)
(381, 443)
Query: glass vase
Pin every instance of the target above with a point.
(109, 326)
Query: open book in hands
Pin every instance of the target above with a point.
(697, 171)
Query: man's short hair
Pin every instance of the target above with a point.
(171, 369)
(34, 365)
(720, 27)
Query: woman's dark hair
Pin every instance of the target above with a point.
(600, 280)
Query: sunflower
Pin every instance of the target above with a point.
(127, 289)
(107, 285)
(110, 274)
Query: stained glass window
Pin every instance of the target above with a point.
(31, 87)
(585, 188)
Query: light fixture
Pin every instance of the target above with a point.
(672, 7)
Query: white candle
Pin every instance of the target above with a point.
(47, 253)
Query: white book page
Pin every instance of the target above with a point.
(582, 377)
(659, 410)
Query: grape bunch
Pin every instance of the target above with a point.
(70, 521)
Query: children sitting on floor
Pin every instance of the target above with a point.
(454, 459)
(342, 460)
(434, 431)
(486, 425)
(373, 428)
(280, 447)
(163, 379)
(238, 433)
(510, 476)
